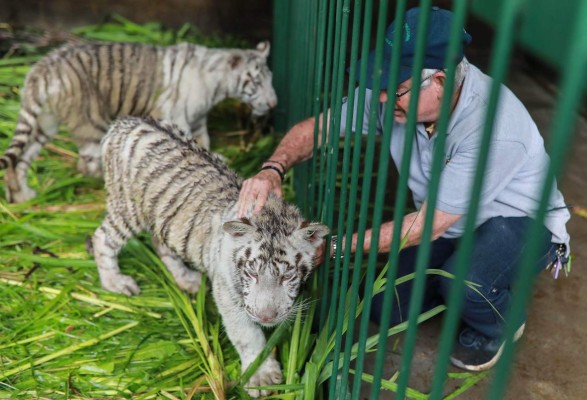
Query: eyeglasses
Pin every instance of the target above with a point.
(400, 95)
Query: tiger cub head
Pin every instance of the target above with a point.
(273, 255)
(254, 79)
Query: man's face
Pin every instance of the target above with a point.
(428, 102)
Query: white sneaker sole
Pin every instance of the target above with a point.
(489, 364)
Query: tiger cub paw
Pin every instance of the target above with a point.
(189, 281)
(269, 373)
(122, 284)
(89, 166)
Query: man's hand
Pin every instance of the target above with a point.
(255, 191)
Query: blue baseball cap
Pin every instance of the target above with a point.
(436, 45)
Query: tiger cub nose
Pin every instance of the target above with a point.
(267, 316)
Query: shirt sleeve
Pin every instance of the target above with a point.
(365, 113)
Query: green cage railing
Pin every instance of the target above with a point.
(316, 42)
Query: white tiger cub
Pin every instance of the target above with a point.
(157, 179)
(87, 86)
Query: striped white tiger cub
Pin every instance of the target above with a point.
(86, 86)
(157, 179)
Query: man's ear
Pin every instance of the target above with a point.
(238, 228)
(440, 77)
(312, 232)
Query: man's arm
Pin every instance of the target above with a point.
(296, 146)
(412, 228)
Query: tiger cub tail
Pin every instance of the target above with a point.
(36, 125)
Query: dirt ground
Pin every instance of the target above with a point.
(550, 362)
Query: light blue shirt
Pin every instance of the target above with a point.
(515, 169)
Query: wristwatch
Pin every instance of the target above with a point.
(333, 246)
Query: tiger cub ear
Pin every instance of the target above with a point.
(263, 48)
(238, 228)
(312, 232)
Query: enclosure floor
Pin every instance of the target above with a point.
(550, 361)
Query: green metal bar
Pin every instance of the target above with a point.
(401, 198)
(372, 260)
(326, 99)
(368, 11)
(336, 286)
(421, 259)
(321, 20)
(454, 303)
(332, 113)
(304, 90)
(334, 129)
(310, 48)
(573, 88)
(341, 31)
(321, 150)
(299, 83)
(338, 314)
(317, 161)
(498, 69)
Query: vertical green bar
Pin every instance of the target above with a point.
(350, 309)
(317, 163)
(321, 21)
(299, 83)
(332, 150)
(497, 71)
(339, 315)
(292, 80)
(330, 157)
(332, 164)
(399, 206)
(298, 78)
(367, 176)
(451, 318)
(573, 87)
(325, 102)
(421, 259)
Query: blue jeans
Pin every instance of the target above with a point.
(497, 251)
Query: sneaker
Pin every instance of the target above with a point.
(476, 352)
